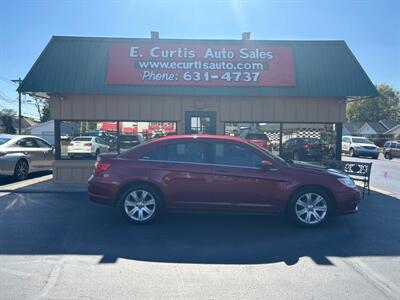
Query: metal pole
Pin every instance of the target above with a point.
(19, 107)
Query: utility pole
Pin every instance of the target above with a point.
(19, 104)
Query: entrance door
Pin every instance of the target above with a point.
(200, 122)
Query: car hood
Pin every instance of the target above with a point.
(364, 145)
(315, 169)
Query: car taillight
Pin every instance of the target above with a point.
(306, 146)
(87, 144)
(101, 167)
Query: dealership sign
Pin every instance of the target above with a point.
(186, 64)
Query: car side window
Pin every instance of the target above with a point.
(398, 145)
(27, 143)
(386, 145)
(235, 155)
(155, 154)
(194, 152)
(42, 144)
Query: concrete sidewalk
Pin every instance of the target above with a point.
(43, 184)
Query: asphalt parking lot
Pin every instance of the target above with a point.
(63, 246)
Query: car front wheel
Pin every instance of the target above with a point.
(387, 155)
(310, 207)
(352, 153)
(140, 204)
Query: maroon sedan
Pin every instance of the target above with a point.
(218, 174)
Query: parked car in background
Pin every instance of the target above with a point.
(258, 138)
(359, 146)
(302, 149)
(109, 138)
(391, 149)
(218, 173)
(127, 141)
(87, 146)
(21, 155)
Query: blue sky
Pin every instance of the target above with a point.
(371, 28)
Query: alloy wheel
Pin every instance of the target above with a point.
(140, 205)
(21, 170)
(311, 208)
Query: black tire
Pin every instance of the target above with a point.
(296, 155)
(388, 156)
(292, 206)
(21, 170)
(97, 152)
(352, 153)
(375, 157)
(134, 217)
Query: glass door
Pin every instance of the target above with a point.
(200, 122)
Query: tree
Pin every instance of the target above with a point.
(42, 106)
(384, 107)
(6, 117)
(45, 116)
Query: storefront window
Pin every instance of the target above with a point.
(265, 135)
(133, 133)
(308, 142)
(87, 139)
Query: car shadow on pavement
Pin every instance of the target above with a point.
(61, 224)
(9, 179)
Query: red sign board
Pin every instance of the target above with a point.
(185, 64)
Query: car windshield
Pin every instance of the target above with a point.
(362, 141)
(82, 139)
(310, 141)
(94, 133)
(257, 136)
(3, 141)
(124, 138)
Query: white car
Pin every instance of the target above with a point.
(359, 146)
(87, 146)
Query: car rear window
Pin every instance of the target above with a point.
(3, 141)
(82, 139)
(257, 136)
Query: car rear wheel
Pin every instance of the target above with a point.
(310, 207)
(21, 170)
(140, 204)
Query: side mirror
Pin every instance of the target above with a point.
(265, 165)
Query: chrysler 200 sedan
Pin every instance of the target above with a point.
(218, 174)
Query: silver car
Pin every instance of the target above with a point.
(24, 154)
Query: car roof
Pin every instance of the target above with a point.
(201, 137)
(14, 136)
(86, 136)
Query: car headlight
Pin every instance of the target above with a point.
(347, 181)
